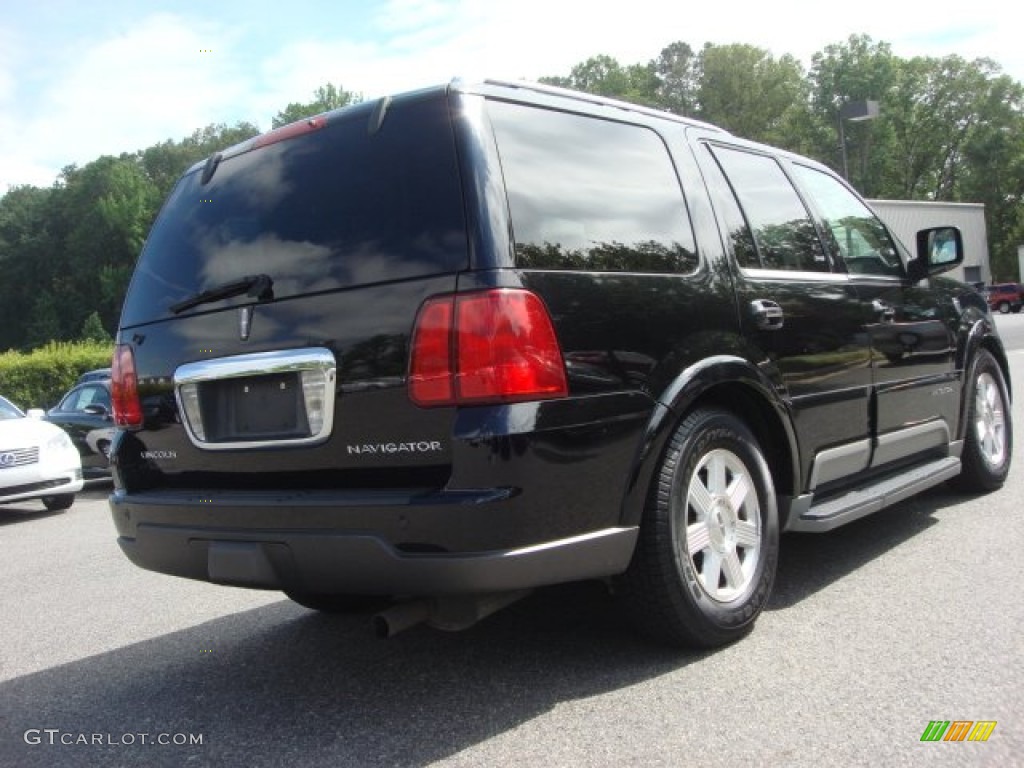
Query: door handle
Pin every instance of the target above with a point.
(886, 312)
(767, 314)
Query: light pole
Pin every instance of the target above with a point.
(855, 112)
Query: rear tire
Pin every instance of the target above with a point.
(988, 438)
(1004, 307)
(339, 603)
(709, 539)
(59, 503)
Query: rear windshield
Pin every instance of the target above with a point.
(339, 207)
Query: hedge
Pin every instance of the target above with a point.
(39, 378)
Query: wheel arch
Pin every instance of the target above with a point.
(732, 384)
(980, 337)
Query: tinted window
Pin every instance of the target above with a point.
(337, 207)
(591, 194)
(859, 236)
(783, 233)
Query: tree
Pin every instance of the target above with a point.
(27, 246)
(326, 98)
(107, 207)
(43, 322)
(604, 76)
(676, 72)
(93, 330)
(747, 91)
(165, 162)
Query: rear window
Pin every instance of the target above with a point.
(339, 207)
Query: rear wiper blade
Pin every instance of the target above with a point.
(259, 287)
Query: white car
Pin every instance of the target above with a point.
(37, 460)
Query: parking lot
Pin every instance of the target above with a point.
(874, 630)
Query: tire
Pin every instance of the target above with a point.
(339, 603)
(687, 599)
(59, 503)
(988, 436)
(1004, 307)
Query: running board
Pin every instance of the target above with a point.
(866, 499)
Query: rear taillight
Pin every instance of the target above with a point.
(124, 388)
(496, 346)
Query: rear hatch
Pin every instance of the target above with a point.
(270, 313)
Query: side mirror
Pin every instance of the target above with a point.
(35, 413)
(939, 249)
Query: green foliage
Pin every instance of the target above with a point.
(68, 251)
(326, 98)
(43, 324)
(747, 91)
(948, 129)
(38, 379)
(604, 76)
(93, 330)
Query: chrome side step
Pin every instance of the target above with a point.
(805, 515)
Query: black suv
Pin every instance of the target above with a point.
(441, 348)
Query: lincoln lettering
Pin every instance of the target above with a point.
(422, 446)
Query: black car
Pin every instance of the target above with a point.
(445, 347)
(85, 414)
(98, 374)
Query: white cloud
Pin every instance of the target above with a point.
(147, 81)
(139, 87)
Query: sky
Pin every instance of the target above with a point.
(83, 79)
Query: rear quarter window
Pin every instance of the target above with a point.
(591, 194)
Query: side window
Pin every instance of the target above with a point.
(591, 194)
(783, 233)
(78, 399)
(70, 401)
(861, 238)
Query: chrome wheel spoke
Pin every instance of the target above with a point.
(748, 536)
(712, 572)
(716, 474)
(739, 491)
(699, 498)
(698, 538)
(734, 577)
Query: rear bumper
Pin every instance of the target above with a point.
(351, 563)
(535, 496)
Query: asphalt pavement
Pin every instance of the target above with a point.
(876, 629)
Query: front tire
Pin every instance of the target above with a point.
(988, 442)
(709, 539)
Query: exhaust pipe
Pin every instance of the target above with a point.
(451, 614)
(400, 617)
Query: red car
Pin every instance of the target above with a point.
(1005, 297)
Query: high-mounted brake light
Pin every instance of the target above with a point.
(124, 388)
(492, 346)
(299, 127)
